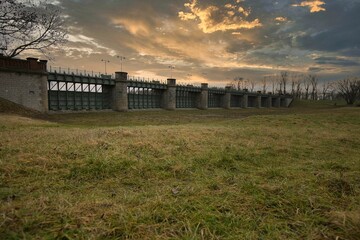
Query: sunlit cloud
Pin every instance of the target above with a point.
(214, 18)
(281, 19)
(134, 26)
(88, 46)
(313, 5)
(221, 38)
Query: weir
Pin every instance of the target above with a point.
(27, 82)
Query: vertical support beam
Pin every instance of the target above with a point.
(277, 102)
(258, 101)
(226, 99)
(203, 97)
(120, 98)
(169, 95)
(244, 101)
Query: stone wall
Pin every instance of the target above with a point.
(24, 82)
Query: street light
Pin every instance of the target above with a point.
(121, 60)
(171, 69)
(105, 61)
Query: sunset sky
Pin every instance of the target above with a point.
(213, 40)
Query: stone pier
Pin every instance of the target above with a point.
(202, 101)
(120, 97)
(169, 95)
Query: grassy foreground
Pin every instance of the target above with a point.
(235, 174)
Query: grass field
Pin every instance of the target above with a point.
(217, 174)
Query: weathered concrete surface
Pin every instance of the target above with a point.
(202, 101)
(244, 101)
(24, 82)
(226, 99)
(169, 96)
(119, 95)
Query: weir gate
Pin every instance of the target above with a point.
(27, 82)
(80, 92)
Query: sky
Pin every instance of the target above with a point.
(212, 41)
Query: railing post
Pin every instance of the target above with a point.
(169, 95)
(203, 97)
(120, 96)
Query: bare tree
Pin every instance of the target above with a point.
(326, 87)
(295, 85)
(26, 25)
(307, 84)
(252, 85)
(349, 89)
(314, 82)
(238, 83)
(264, 82)
(298, 83)
(274, 83)
(284, 79)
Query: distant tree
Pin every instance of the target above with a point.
(313, 79)
(238, 83)
(349, 89)
(28, 25)
(252, 85)
(306, 83)
(298, 86)
(274, 84)
(264, 82)
(284, 79)
(295, 85)
(326, 89)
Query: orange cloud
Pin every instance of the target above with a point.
(313, 5)
(281, 19)
(135, 27)
(213, 18)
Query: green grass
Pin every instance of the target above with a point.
(218, 174)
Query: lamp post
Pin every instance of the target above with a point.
(105, 61)
(121, 60)
(171, 69)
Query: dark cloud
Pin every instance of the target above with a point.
(336, 61)
(336, 29)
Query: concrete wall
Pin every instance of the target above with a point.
(24, 82)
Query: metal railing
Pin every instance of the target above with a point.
(145, 79)
(68, 70)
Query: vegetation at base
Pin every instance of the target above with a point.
(218, 174)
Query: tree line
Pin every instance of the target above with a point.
(302, 86)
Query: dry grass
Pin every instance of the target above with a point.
(285, 174)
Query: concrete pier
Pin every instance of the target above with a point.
(169, 96)
(120, 98)
(226, 99)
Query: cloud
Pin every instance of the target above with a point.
(222, 38)
(313, 5)
(339, 61)
(281, 19)
(215, 18)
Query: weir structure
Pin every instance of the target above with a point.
(27, 82)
